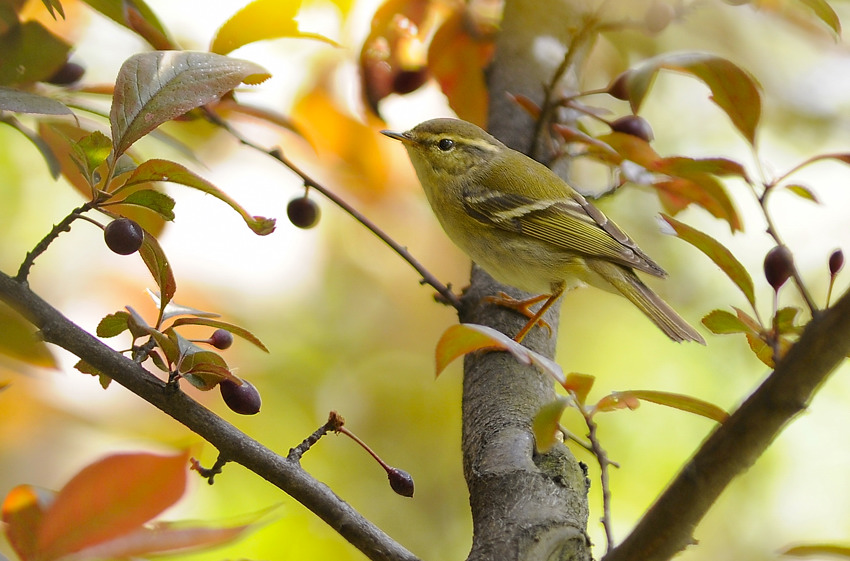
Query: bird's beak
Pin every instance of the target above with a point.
(396, 135)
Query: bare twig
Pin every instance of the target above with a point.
(604, 462)
(63, 226)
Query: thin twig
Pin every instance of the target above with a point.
(41, 247)
(604, 462)
(445, 291)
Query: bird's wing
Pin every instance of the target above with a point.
(570, 223)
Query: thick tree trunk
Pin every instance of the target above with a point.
(525, 505)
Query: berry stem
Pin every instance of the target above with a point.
(63, 226)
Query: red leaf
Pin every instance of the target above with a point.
(579, 384)
(631, 398)
(110, 498)
(23, 510)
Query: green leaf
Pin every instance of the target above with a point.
(90, 152)
(155, 87)
(235, 329)
(721, 322)
(174, 309)
(19, 101)
(258, 21)
(202, 368)
(682, 166)
(630, 399)
(733, 89)
(18, 340)
(761, 349)
(825, 13)
(546, 424)
(803, 192)
(721, 256)
(465, 338)
(784, 321)
(818, 550)
(165, 170)
(87, 368)
(113, 324)
(31, 53)
(158, 265)
(153, 200)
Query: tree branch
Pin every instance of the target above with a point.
(232, 444)
(668, 526)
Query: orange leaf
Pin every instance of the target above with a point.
(465, 338)
(23, 510)
(579, 384)
(457, 61)
(631, 399)
(110, 498)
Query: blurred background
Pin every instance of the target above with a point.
(349, 327)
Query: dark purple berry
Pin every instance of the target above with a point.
(836, 262)
(406, 81)
(619, 88)
(778, 266)
(123, 236)
(244, 399)
(221, 339)
(635, 126)
(68, 73)
(303, 212)
(400, 481)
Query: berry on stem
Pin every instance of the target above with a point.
(123, 236)
(221, 339)
(244, 399)
(635, 126)
(836, 262)
(778, 266)
(303, 212)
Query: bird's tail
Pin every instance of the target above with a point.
(629, 285)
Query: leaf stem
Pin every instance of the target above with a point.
(63, 226)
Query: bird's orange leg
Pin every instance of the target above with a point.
(524, 307)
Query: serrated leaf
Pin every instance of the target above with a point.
(546, 424)
(620, 400)
(803, 192)
(153, 200)
(762, 350)
(113, 324)
(166, 170)
(155, 87)
(721, 322)
(234, 329)
(579, 384)
(261, 20)
(784, 321)
(157, 264)
(721, 256)
(110, 498)
(19, 101)
(464, 338)
(174, 309)
(18, 340)
(732, 88)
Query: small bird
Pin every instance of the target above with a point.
(526, 226)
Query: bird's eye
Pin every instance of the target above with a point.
(446, 144)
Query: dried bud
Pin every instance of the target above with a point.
(635, 126)
(836, 262)
(400, 481)
(778, 266)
